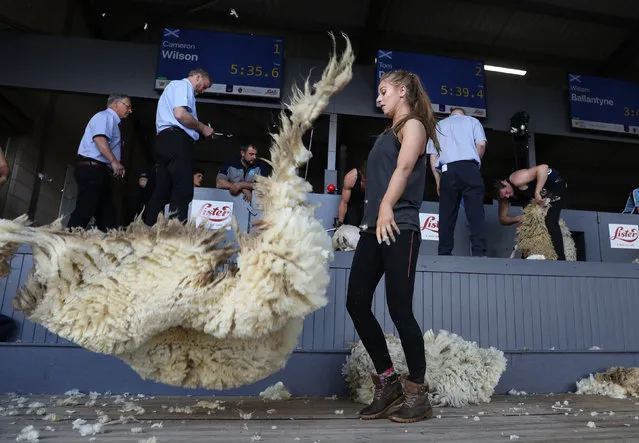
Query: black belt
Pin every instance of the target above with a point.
(172, 129)
(462, 161)
(176, 129)
(88, 161)
(441, 166)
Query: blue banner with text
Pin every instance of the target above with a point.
(239, 64)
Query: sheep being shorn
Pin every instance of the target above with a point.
(533, 238)
(458, 371)
(160, 297)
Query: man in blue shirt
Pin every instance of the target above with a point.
(456, 170)
(239, 175)
(98, 161)
(177, 129)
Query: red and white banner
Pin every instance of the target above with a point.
(623, 236)
(215, 214)
(429, 225)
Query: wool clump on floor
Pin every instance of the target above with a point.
(276, 392)
(163, 298)
(458, 372)
(615, 382)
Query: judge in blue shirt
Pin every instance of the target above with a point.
(177, 129)
(98, 161)
(456, 170)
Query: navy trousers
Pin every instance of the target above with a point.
(461, 179)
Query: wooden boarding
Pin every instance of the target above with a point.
(531, 418)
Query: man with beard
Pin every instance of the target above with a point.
(239, 175)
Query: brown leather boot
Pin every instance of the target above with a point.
(385, 397)
(416, 406)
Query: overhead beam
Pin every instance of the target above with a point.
(20, 27)
(543, 8)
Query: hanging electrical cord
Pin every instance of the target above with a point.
(310, 146)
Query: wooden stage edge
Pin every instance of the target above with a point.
(159, 419)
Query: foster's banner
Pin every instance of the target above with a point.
(623, 236)
(429, 225)
(215, 214)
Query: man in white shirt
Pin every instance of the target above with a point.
(99, 156)
(456, 170)
(177, 129)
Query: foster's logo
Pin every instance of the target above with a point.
(214, 214)
(627, 235)
(431, 224)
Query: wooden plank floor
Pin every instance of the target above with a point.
(561, 417)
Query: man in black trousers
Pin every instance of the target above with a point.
(177, 130)
(97, 163)
(456, 170)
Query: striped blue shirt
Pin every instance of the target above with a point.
(458, 136)
(177, 93)
(103, 123)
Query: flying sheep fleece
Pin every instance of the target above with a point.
(160, 298)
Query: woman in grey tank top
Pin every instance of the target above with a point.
(389, 245)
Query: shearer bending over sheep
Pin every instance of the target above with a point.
(537, 183)
(389, 244)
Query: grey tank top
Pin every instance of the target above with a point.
(382, 162)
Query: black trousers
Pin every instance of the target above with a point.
(397, 262)
(552, 218)
(462, 179)
(95, 198)
(173, 175)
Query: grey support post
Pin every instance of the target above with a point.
(330, 173)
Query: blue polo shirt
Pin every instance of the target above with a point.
(103, 123)
(177, 93)
(458, 136)
(234, 171)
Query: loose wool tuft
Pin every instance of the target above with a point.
(615, 382)
(458, 371)
(276, 392)
(533, 237)
(163, 299)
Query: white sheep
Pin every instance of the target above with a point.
(533, 239)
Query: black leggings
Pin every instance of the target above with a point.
(398, 262)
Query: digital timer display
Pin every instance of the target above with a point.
(449, 82)
(629, 112)
(239, 64)
(603, 104)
